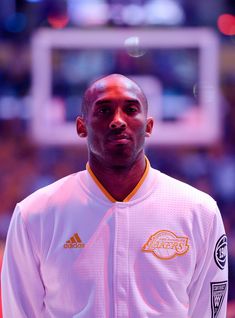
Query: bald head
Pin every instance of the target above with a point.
(111, 81)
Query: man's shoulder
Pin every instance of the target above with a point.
(180, 190)
(55, 192)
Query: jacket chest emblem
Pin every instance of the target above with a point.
(74, 242)
(166, 245)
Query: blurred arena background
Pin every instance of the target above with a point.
(181, 52)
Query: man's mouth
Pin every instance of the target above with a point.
(119, 138)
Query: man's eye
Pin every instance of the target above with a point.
(131, 109)
(104, 110)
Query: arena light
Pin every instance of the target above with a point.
(226, 24)
(94, 12)
(164, 12)
(58, 21)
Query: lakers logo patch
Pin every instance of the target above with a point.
(166, 245)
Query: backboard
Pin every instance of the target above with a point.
(176, 68)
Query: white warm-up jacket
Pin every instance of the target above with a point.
(72, 251)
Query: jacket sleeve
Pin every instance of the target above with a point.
(22, 286)
(209, 287)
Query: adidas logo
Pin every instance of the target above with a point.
(74, 242)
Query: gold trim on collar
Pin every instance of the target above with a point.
(131, 194)
(102, 188)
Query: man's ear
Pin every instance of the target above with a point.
(81, 127)
(149, 127)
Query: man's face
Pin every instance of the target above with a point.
(116, 121)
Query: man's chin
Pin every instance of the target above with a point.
(120, 157)
(119, 149)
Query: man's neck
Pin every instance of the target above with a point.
(119, 181)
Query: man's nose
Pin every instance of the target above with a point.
(117, 121)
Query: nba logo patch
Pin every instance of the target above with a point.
(218, 292)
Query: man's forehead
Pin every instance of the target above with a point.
(114, 83)
(124, 82)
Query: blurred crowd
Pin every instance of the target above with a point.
(26, 166)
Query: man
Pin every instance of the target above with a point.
(119, 239)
